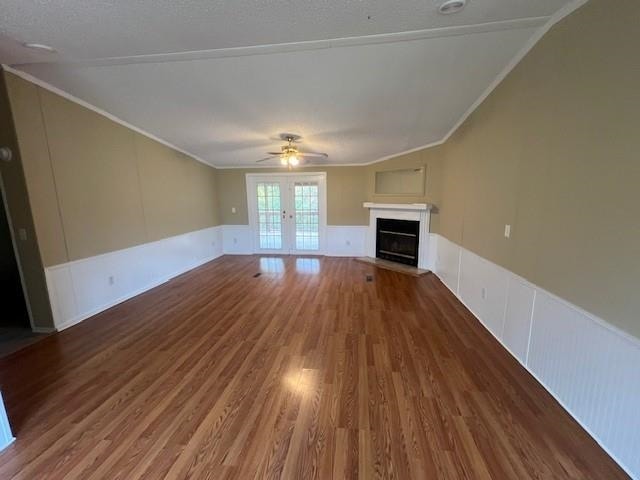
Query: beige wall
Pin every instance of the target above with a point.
(554, 152)
(346, 192)
(14, 188)
(96, 186)
(347, 188)
(432, 159)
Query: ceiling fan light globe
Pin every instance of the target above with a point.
(293, 160)
(283, 161)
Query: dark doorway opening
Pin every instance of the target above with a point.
(15, 327)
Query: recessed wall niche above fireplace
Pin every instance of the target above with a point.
(412, 213)
(398, 240)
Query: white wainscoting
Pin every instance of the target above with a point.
(346, 241)
(6, 437)
(342, 241)
(237, 240)
(82, 288)
(484, 290)
(447, 265)
(588, 365)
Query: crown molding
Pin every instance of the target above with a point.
(299, 46)
(268, 49)
(72, 98)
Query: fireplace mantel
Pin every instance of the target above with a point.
(398, 206)
(420, 212)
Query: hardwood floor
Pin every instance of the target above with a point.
(306, 371)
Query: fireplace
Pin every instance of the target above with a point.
(414, 213)
(398, 240)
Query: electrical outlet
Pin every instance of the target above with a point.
(213, 244)
(233, 209)
(348, 242)
(483, 293)
(235, 240)
(507, 231)
(22, 234)
(112, 280)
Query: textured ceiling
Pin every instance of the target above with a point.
(221, 79)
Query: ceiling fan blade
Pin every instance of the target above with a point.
(274, 153)
(265, 159)
(314, 154)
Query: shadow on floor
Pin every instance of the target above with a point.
(13, 339)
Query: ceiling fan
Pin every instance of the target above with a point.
(289, 155)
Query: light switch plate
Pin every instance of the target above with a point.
(507, 231)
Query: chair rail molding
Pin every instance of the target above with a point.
(588, 365)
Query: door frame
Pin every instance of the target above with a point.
(250, 181)
(16, 253)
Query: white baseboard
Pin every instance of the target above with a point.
(342, 241)
(589, 366)
(82, 288)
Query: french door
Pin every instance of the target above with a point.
(287, 212)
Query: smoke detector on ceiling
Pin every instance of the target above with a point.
(452, 6)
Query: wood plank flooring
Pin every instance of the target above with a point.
(306, 371)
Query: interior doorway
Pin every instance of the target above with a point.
(15, 323)
(15, 313)
(287, 212)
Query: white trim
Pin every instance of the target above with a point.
(102, 307)
(288, 247)
(603, 389)
(285, 174)
(346, 240)
(341, 42)
(328, 164)
(559, 15)
(276, 48)
(72, 98)
(398, 206)
(237, 240)
(80, 289)
(418, 212)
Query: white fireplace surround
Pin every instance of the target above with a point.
(420, 212)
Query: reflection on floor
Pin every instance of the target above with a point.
(302, 265)
(307, 265)
(221, 373)
(271, 265)
(13, 339)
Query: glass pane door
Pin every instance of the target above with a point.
(287, 213)
(306, 216)
(270, 227)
